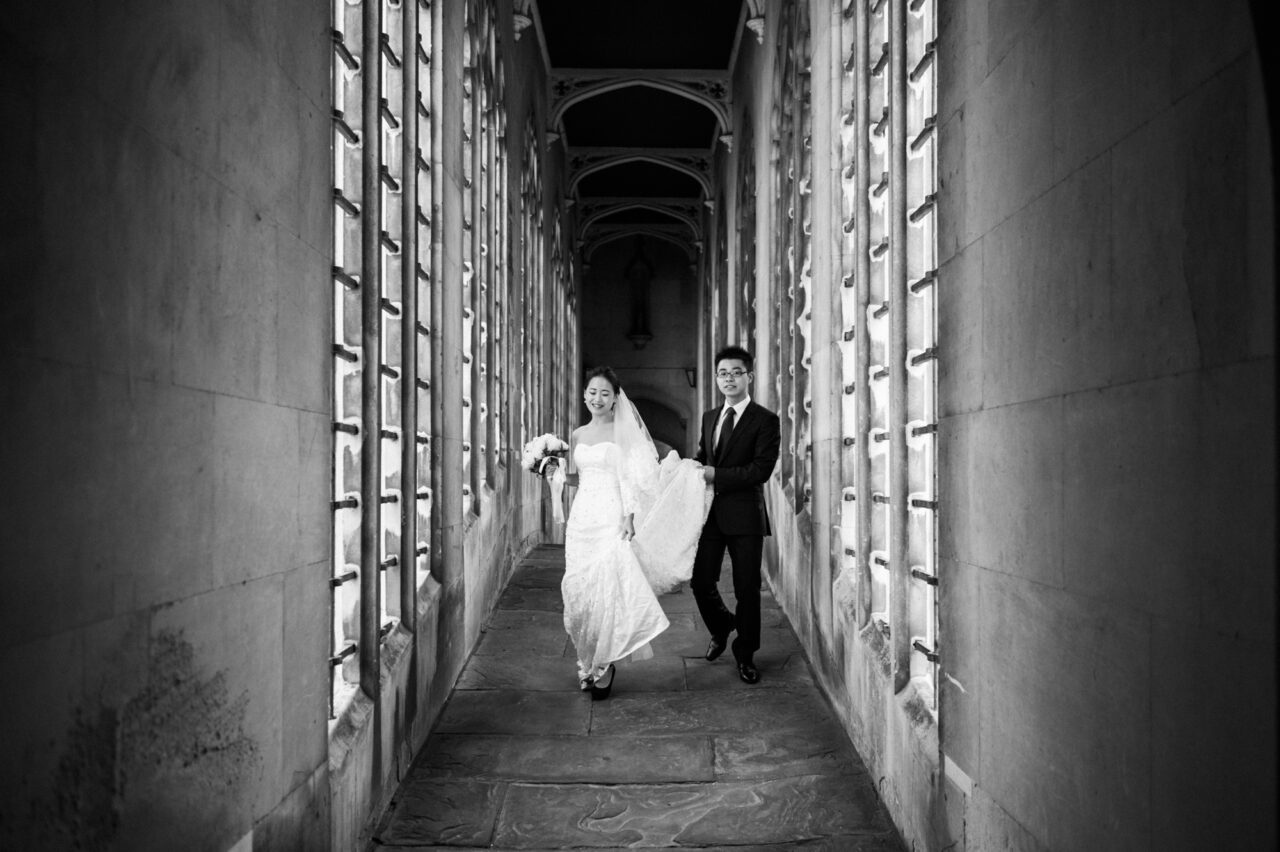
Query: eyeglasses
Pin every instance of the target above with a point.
(730, 374)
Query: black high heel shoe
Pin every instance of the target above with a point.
(600, 693)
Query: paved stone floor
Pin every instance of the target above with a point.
(682, 754)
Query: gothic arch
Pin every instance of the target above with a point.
(657, 207)
(707, 90)
(675, 163)
(655, 231)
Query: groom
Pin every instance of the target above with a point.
(739, 447)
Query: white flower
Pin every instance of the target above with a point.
(540, 448)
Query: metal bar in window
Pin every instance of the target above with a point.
(423, 439)
(422, 329)
(916, 5)
(923, 577)
(348, 428)
(423, 166)
(930, 125)
(423, 275)
(344, 353)
(881, 248)
(388, 371)
(388, 117)
(345, 278)
(927, 429)
(881, 311)
(849, 442)
(849, 334)
(879, 128)
(340, 124)
(930, 354)
(883, 499)
(346, 503)
(389, 562)
(924, 281)
(423, 384)
(337, 581)
(345, 203)
(337, 658)
(929, 655)
(389, 498)
(423, 549)
(388, 51)
(882, 373)
(924, 504)
(878, 68)
(880, 188)
(876, 6)
(930, 50)
(923, 210)
(389, 307)
(388, 180)
(389, 243)
(344, 53)
(386, 629)
(881, 561)
(423, 56)
(390, 435)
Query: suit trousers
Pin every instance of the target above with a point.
(745, 552)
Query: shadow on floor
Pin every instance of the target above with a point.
(683, 754)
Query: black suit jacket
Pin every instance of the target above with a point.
(738, 507)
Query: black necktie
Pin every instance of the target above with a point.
(725, 429)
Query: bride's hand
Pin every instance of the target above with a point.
(628, 530)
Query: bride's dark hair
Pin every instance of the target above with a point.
(609, 375)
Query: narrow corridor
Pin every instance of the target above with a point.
(682, 754)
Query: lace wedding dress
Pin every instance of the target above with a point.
(610, 610)
(610, 585)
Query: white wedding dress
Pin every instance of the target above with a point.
(610, 610)
(609, 588)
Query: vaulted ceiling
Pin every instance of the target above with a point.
(640, 98)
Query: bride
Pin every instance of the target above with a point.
(631, 535)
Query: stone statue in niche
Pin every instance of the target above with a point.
(639, 273)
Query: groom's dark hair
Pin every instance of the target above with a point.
(735, 353)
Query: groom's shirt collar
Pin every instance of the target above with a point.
(738, 409)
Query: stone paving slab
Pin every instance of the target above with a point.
(682, 754)
(520, 641)
(513, 711)
(454, 813)
(547, 599)
(746, 711)
(613, 760)
(887, 842)
(816, 751)
(536, 674)
(778, 670)
(687, 814)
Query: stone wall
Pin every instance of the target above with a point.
(1108, 466)
(1107, 449)
(166, 624)
(165, 616)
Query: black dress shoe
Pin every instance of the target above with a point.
(748, 672)
(600, 693)
(717, 646)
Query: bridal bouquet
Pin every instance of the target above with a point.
(540, 450)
